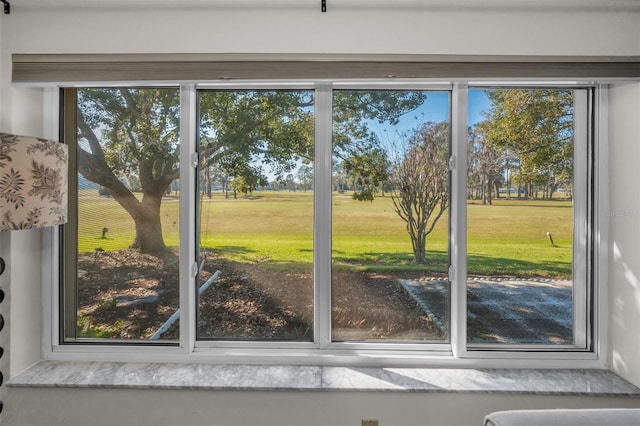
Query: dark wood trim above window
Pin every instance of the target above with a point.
(39, 69)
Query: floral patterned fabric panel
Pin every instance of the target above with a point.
(33, 182)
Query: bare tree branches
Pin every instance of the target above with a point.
(420, 182)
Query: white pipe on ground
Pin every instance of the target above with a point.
(168, 323)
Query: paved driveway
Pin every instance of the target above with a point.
(504, 310)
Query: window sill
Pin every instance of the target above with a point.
(57, 374)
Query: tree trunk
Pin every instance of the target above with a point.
(208, 181)
(419, 243)
(149, 237)
(419, 256)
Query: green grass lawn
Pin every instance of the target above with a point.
(96, 213)
(275, 228)
(510, 238)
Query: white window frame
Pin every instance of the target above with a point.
(324, 352)
(584, 143)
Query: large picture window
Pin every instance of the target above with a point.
(331, 216)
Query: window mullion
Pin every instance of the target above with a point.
(580, 238)
(53, 315)
(188, 132)
(322, 216)
(458, 221)
(598, 326)
(69, 232)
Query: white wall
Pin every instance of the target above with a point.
(103, 407)
(267, 26)
(436, 28)
(624, 231)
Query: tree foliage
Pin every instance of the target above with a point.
(484, 165)
(355, 146)
(274, 128)
(367, 171)
(536, 127)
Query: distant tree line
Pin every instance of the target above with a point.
(524, 147)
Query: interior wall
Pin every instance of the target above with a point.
(624, 231)
(22, 115)
(263, 26)
(143, 407)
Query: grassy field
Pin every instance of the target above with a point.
(275, 229)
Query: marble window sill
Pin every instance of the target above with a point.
(57, 374)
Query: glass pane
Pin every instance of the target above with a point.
(520, 216)
(128, 234)
(390, 215)
(256, 215)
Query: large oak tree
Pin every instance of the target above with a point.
(129, 137)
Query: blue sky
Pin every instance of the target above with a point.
(436, 108)
(478, 102)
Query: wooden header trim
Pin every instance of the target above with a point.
(41, 69)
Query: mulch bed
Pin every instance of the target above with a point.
(128, 295)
